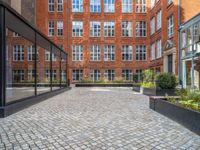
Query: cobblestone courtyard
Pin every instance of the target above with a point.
(94, 119)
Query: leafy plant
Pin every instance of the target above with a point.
(189, 98)
(166, 81)
(148, 79)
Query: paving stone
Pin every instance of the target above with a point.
(94, 119)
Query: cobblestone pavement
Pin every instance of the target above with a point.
(94, 119)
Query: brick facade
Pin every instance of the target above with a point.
(43, 16)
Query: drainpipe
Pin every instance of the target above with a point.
(179, 45)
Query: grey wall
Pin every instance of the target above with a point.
(25, 7)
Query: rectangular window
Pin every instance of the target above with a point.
(77, 52)
(140, 52)
(170, 26)
(127, 52)
(31, 53)
(18, 76)
(48, 56)
(18, 53)
(127, 6)
(109, 6)
(95, 6)
(95, 53)
(153, 25)
(51, 28)
(31, 75)
(159, 48)
(153, 51)
(16, 34)
(109, 53)
(60, 28)
(139, 74)
(127, 75)
(63, 75)
(159, 20)
(169, 2)
(141, 29)
(109, 75)
(77, 5)
(77, 75)
(109, 29)
(95, 75)
(153, 2)
(48, 75)
(127, 29)
(60, 5)
(141, 6)
(51, 5)
(95, 28)
(77, 28)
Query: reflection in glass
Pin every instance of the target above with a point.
(20, 75)
(43, 70)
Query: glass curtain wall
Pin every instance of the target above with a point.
(33, 64)
(190, 55)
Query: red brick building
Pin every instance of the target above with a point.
(115, 38)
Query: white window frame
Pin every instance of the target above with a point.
(153, 47)
(60, 5)
(48, 56)
(109, 6)
(127, 6)
(141, 6)
(141, 28)
(141, 53)
(153, 2)
(77, 28)
(18, 53)
(93, 4)
(127, 28)
(51, 5)
(19, 73)
(63, 75)
(127, 52)
(60, 28)
(95, 28)
(31, 53)
(95, 75)
(51, 26)
(127, 74)
(95, 53)
(169, 2)
(77, 7)
(152, 25)
(158, 20)
(170, 21)
(74, 74)
(109, 53)
(159, 48)
(109, 74)
(77, 53)
(109, 29)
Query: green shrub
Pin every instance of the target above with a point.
(166, 81)
(189, 98)
(148, 75)
(148, 84)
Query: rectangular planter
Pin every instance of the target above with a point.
(103, 85)
(157, 92)
(186, 117)
(136, 87)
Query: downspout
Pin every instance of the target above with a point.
(179, 44)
